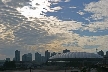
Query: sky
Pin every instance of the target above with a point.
(54, 25)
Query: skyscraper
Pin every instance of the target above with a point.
(47, 55)
(107, 54)
(14, 59)
(17, 55)
(37, 57)
(24, 57)
(42, 59)
(27, 57)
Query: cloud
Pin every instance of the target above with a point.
(55, 0)
(91, 46)
(55, 9)
(99, 9)
(15, 3)
(81, 13)
(98, 18)
(25, 26)
(6, 1)
(72, 7)
(40, 10)
(95, 26)
(67, 0)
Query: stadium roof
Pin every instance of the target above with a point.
(76, 55)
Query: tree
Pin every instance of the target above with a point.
(9, 65)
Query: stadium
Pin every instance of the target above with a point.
(75, 59)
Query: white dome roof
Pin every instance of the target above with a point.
(76, 55)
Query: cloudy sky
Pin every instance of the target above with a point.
(54, 25)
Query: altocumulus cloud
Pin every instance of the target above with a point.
(24, 25)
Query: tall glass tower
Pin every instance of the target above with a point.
(17, 55)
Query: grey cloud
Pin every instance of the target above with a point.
(16, 3)
(72, 44)
(91, 46)
(20, 33)
(31, 36)
(19, 29)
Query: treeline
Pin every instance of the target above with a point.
(8, 65)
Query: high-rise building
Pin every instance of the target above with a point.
(107, 54)
(17, 55)
(24, 57)
(37, 57)
(47, 55)
(42, 59)
(27, 57)
(101, 53)
(52, 54)
(7, 59)
(14, 59)
(65, 51)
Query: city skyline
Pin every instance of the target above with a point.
(18, 52)
(38, 25)
(38, 57)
